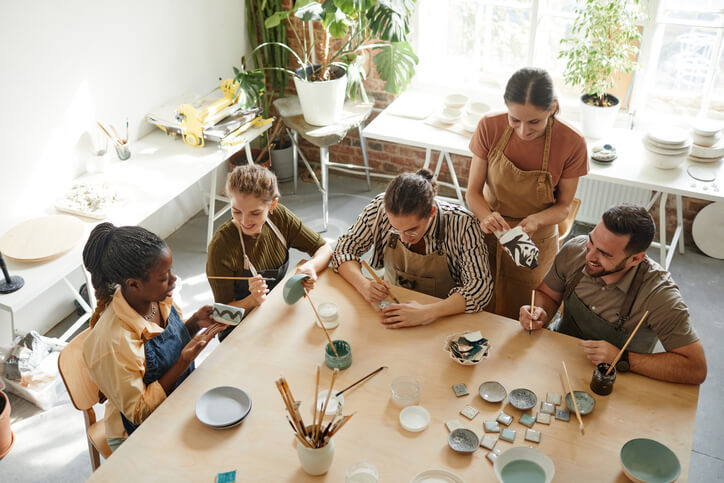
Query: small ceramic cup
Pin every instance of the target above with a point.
(405, 391)
(343, 359)
(316, 461)
(329, 314)
(602, 384)
(123, 151)
(362, 473)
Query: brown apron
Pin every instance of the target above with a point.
(515, 194)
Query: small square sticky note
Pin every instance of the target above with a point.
(460, 390)
(508, 435)
(453, 424)
(228, 477)
(492, 455)
(488, 441)
(505, 419)
(554, 398)
(532, 435)
(563, 415)
(491, 427)
(548, 408)
(469, 412)
(544, 418)
(527, 420)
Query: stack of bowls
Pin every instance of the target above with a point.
(666, 147)
(708, 144)
(454, 104)
(474, 110)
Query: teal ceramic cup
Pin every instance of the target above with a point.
(343, 359)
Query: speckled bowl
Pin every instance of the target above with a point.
(463, 440)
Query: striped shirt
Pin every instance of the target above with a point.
(467, 256)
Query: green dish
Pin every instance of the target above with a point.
(584, 400)
(345, 355)
(293, 289)
(646, 460)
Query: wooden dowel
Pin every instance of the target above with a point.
(329, 393)
(321, 324)
(532, 304)
(377, 279)
(620, 353)
(110, 136)
(339, 426)
(573, 397)
(234, 278)
(316, 395)
(360, 380)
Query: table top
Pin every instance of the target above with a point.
(172, 445)
(161, 168)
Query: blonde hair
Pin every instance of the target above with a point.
(253, 180)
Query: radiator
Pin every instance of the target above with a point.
(597, 196)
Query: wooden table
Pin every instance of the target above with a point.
(172, 445)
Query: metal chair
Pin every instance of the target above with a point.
(84, 395)
(564, 227)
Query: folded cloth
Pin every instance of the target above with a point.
(519, 246)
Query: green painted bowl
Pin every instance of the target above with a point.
(345, 355)
(584, 400)
(293, 289)
(648, 461)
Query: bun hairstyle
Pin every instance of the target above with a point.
(112, 255)
(531, 85)
(411, 193)
(254, 180)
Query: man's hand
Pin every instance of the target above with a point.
(599, 351)
(532, 320)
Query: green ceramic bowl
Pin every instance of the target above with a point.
(648, 461)
(344, 350)
(584, 400)
(293, 289)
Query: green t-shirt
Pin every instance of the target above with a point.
(265, 250)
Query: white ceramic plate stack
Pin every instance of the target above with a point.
(667, 147)
(474, 110)
(708, 143)
(453, 108)
(223, 407)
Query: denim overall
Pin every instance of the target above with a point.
(162, 352)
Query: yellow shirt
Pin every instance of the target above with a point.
(116, 362)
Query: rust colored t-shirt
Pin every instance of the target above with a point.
(568, 158)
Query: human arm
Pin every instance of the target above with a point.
(556, 213)
(190, 351)
(373, 292)
(490, 221)
(410, 314)
(313, 267)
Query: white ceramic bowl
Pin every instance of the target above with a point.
(705, 140)
(524, 454)
(664, 161)
(707, 127)
(470, 122)
(477, 108)
(449, 114)
(455, 100)
(708, 152)
(414, 418)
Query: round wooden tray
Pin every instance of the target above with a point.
(42, 239)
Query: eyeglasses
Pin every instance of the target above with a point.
(411, 233)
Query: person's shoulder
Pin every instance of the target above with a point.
(455, 212)
(658, 275)
(226, 233)
(282, 215)
(574, 248)
(496, 121)
(566, 131)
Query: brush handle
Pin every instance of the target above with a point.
(377, 279)
(620, 353)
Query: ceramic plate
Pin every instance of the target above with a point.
(584, 400)
(223, 406)
(522, 399)
(650, 461)
(414, 418)
(463, 440)
(436, 476)
(492, 391)
(293, 289)
(708, 230)
(669, 136)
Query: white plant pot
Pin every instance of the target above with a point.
(316, 461)
(596, 121)
(321, 101)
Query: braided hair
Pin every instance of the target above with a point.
(411, 194)
(112, 255)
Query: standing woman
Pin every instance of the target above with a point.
(255, 242)
(525, 170)
(139, 349)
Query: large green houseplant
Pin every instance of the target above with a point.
(603, 44)
(376, 27)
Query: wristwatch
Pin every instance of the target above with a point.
(623, 364)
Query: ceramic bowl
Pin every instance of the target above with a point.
(584, 400)
(227, 314)
(470, 122)
(705, 140)
(463, 440)
(343, 359)
(527, 464)
(449, 115)
(665, 150)
(455, 100)
(405, 391)
(648, 461)
(522, 399)
(668, 135)
(492, 391)
(715, 151)
(707, 127)
(477, 108)
(464, 362)
(414, 418)
(663, 161)
(293, 288)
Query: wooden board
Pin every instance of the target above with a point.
(42, 239)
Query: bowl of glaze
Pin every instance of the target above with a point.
(414, 418)
(523, 463)
(343, 359)
(648, 461)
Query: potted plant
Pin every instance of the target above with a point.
(603, 44)
(379, 27)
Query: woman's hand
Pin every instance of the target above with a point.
(532, 319)
(409, 314)
(258, 290)
(307, 269)
(494, 222)
(531, 223)
(374, 292)
(199, 341)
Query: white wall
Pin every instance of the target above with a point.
(66, 64)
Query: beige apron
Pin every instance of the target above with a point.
(428, 274)
(515, 194)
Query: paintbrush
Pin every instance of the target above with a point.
(532, 304)
(339, 425)
(368, 376)
(321, 324)
(126, 140)
(377, 279)
(573, 398)
(620, 353)
(316, 395)
(326, 400)
(235, 278)
(117, 142)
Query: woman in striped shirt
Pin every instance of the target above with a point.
(424, 244)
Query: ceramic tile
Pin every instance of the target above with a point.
(532, 435)
(488, 441)
(460, 390)
(505, 419)
(492, 455)
(469, 412)
(548, 408)
(508, 435)
(453, 424)
(491, 427)
(554, 398)
(544, 418)
(563, 415)
(527, 420)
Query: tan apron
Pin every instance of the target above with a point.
(515, 194)
(428, 274)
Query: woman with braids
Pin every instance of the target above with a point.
(256, 241)
(424, 244)
(525, 169)
(139, 349)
